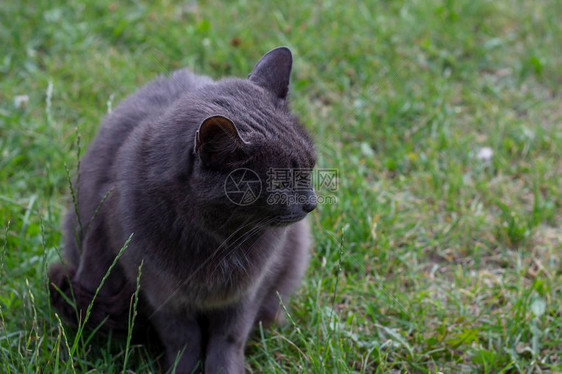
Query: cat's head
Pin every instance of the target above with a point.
(253, 159)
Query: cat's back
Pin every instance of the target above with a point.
(145, 104)
(149, 101)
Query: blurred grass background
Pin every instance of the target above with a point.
(444, 119)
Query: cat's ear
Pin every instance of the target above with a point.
(273, 71)
(217, 141)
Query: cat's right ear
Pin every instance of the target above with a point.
(273, 71)
(218, 141)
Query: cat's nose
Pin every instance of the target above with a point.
(310, 202)
(309, 207)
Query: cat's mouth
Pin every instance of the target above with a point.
(288, 219)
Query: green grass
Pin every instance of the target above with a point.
(432, 260)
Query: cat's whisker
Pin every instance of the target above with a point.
(249, 236)
(258, 225)
(222, 246)
(245, 237)
(246, 252)
(226, 241)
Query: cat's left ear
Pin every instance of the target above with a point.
(273, 71)
(218, 141)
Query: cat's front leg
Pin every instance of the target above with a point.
(228, 331)
(182, 339)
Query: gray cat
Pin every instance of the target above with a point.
(168, 166)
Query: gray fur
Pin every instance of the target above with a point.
(212, 269)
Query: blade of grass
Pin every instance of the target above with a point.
(133, 310)
(82, 323)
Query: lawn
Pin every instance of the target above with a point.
(443, 119)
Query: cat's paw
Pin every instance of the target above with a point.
(60, 279)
